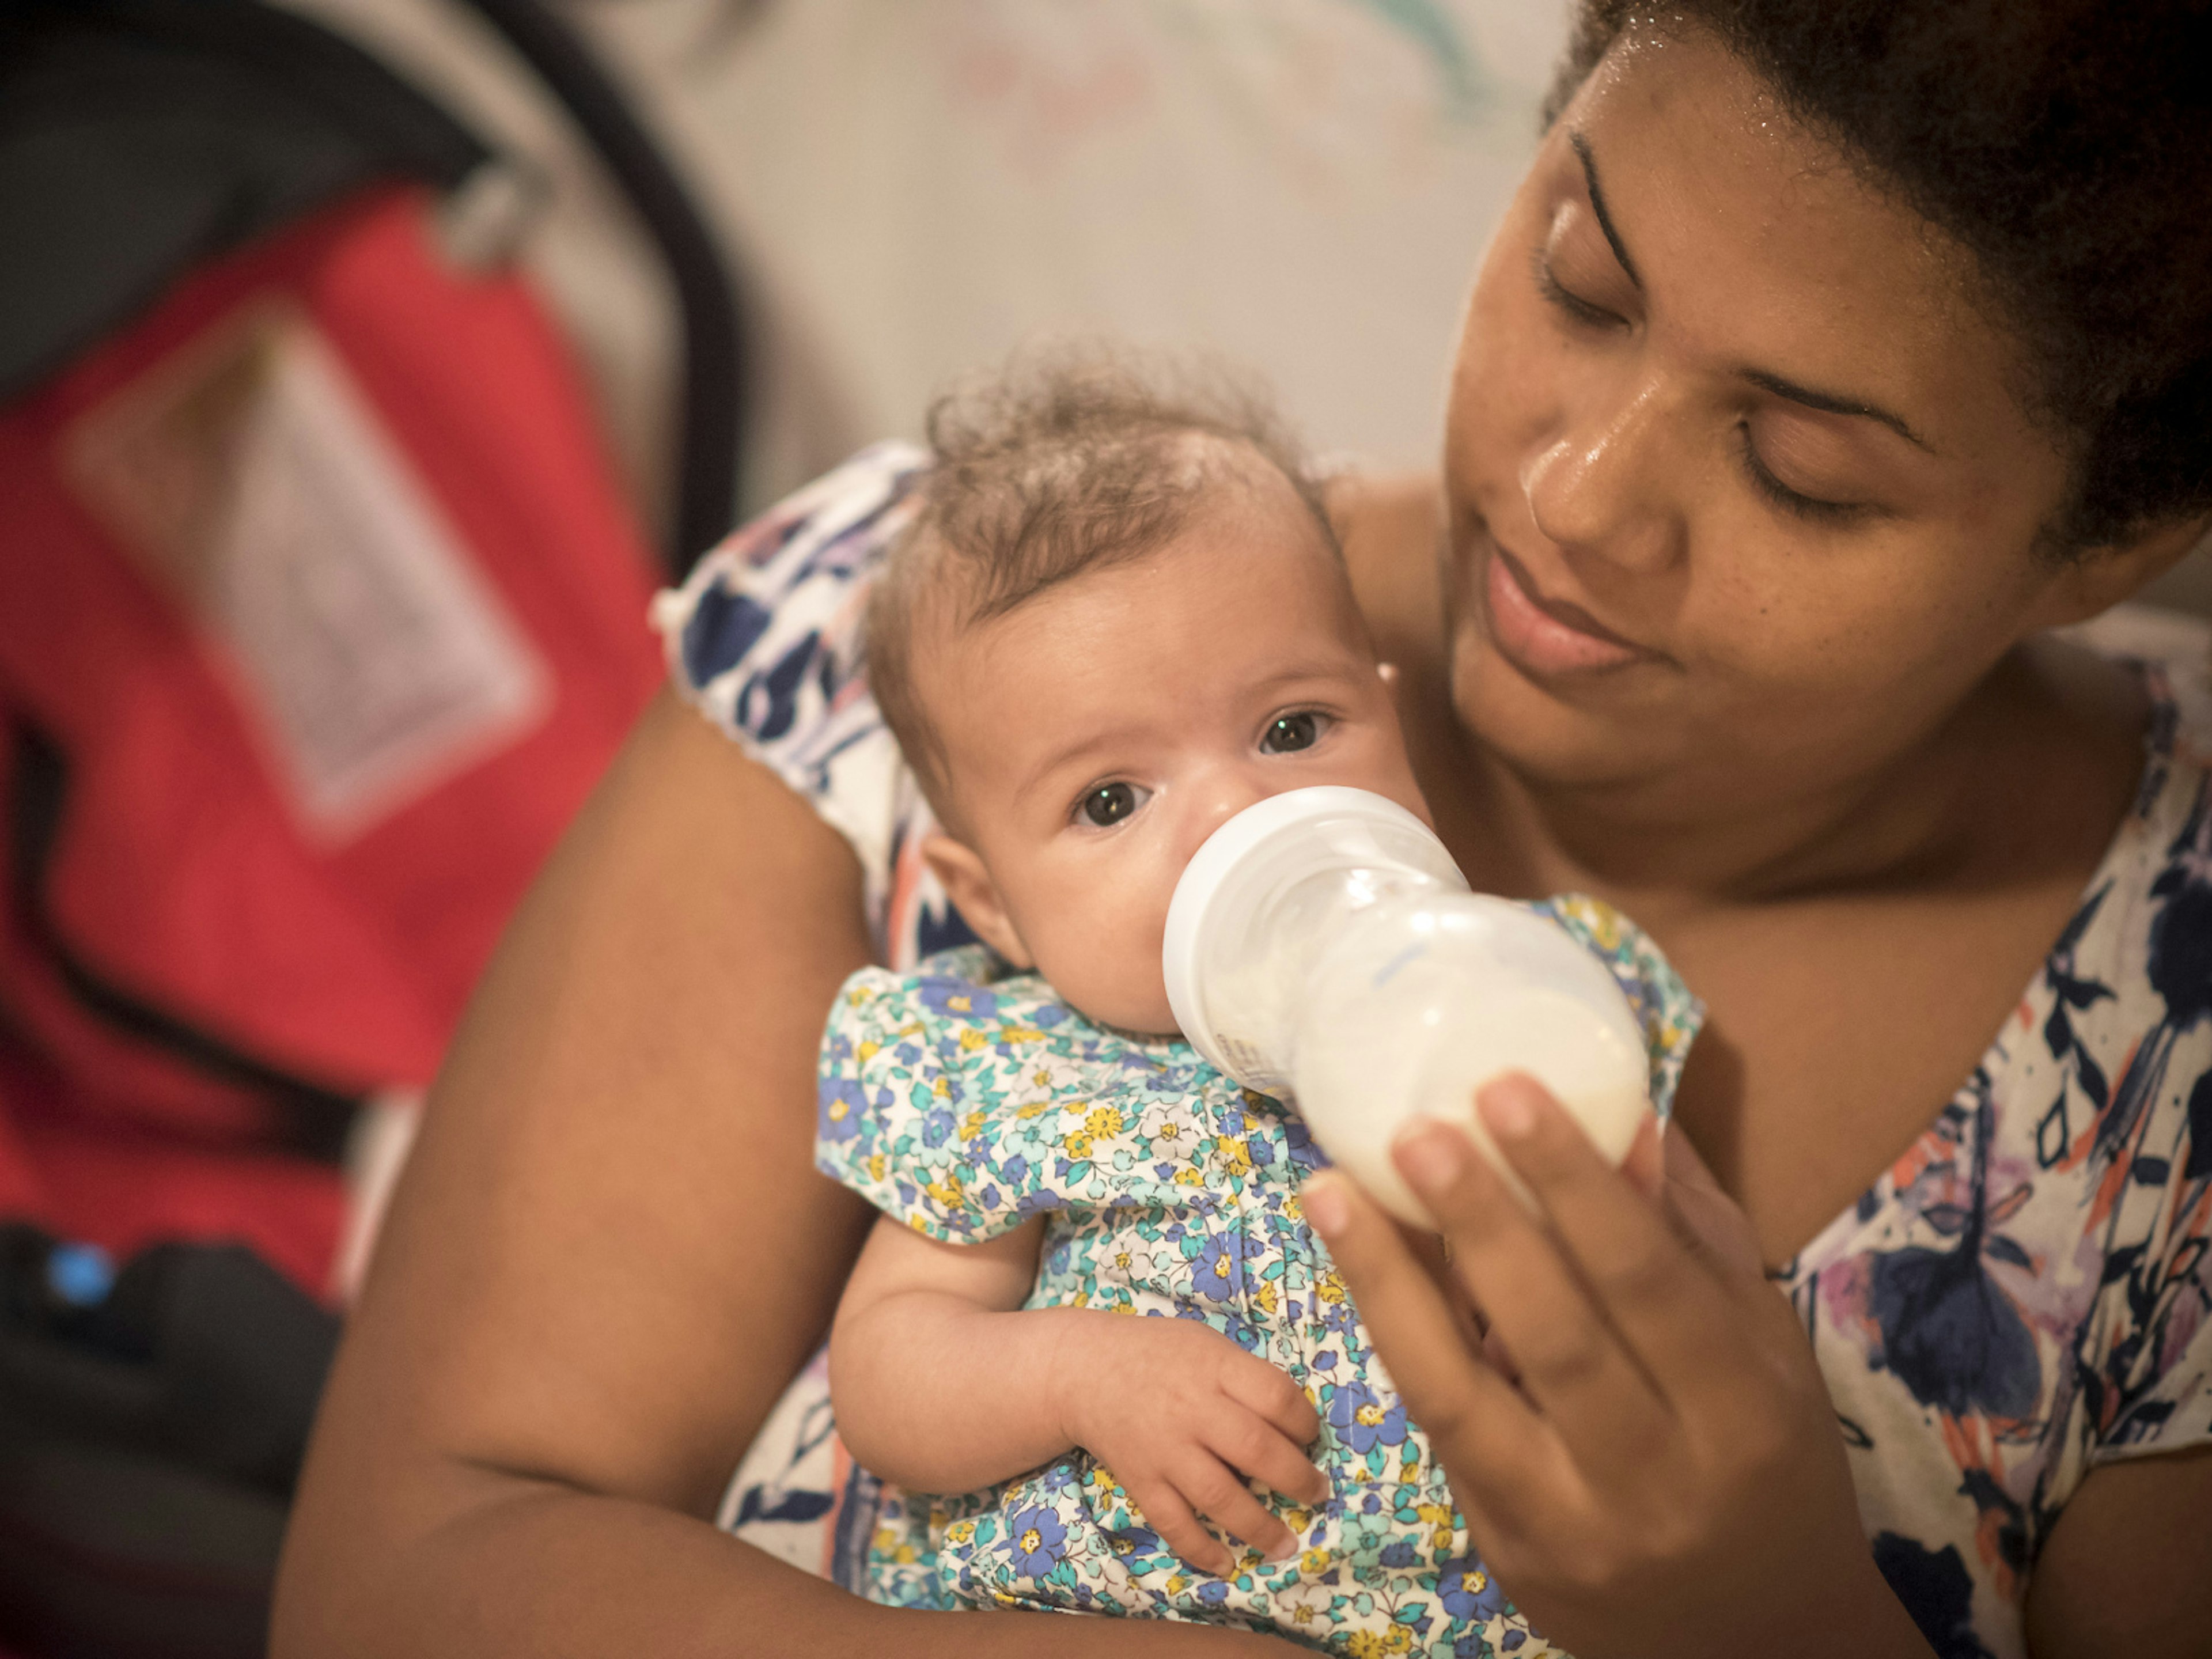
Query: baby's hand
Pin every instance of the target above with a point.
(1182, 1418)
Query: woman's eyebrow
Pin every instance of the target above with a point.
(1598, 206)
(1830, 404)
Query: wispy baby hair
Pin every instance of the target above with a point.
(1072, 459)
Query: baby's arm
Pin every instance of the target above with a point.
(943, 1382)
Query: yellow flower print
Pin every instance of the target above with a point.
(1328, 1287)
(1077, 1144)
(947, 1191)
(960, 1532)
(972, 1040)
(1169, 1131)
(1177, 1585)
(1440, 1517)
(1397, 1639)
(1036, 1108)
(1265, 1296)
(876, 1164)
(1301, 1614)
(839, 1110)
(1313, 1563)
(1298, 1518)
(1366, 1644)
(1236, 1156)
(1042, 1079)
(941, 1088)
(1019, 1034)
(867, 1051)
(1292, 1209)
(960, 1005)
(1105, 1123)
(1188, 1176)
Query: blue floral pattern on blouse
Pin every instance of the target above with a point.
(964, 1101)
(2021, 1298)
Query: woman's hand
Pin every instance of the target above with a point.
(1664, 1475)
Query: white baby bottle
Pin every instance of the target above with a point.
(1323, 947)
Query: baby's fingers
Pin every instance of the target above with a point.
(1268, 1391)
(1247, 1441)
(1180, 1530)
(1217, 1493)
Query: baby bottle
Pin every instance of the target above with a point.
(1323, 947)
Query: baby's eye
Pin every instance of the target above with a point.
(1287, 733)
(1109, 803)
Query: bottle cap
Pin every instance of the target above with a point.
(1345, 827)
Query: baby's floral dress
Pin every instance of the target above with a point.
(2024, 1296)
(964, 1100)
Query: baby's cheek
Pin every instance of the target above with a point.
(1102, 957)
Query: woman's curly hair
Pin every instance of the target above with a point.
(2066, 145)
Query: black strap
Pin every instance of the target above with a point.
(141, 137)
(314, 1116)
(713, 371)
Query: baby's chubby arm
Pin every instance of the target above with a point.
(943, 1382)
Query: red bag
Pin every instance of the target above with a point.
(319, 614)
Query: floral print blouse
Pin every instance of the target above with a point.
(2022, 1297)
(963, 1100)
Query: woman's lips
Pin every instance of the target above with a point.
(1547, 636)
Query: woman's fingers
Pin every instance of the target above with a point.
(1570, 1359)
(1490, 1440)
(1710, 1215)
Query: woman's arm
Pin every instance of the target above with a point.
(944, 1382)
(2124, 1568)
(609, 1254)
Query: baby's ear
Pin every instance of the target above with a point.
(967, 883)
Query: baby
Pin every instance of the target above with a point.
(1091, 1311)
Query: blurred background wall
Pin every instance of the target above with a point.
(912, 187)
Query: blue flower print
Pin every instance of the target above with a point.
(1399, 1553)
(1218, 1274)
(956, 998)
(839, 1106)
(1469, 1592)
(1033, 1537)
(1362, 1421)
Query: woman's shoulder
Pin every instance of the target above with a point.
(764, 639)
(1387, 523)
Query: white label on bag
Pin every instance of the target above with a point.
(256, 481)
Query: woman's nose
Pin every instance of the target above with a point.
(1599, 487)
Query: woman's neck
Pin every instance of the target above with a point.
(1978, 798)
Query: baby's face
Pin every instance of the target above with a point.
(1095, 736)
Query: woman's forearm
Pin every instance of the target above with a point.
(528, 1566)
(937, 1394)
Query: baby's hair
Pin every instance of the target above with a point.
(1071, 460)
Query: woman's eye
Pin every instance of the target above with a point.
(1791, 500)
(1111, 803)
(1287, 733)
(1581, 310)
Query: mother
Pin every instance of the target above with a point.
(1829, 352)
